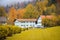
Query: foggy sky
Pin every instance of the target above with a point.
(7, 2)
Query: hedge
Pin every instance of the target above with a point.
(8, 30)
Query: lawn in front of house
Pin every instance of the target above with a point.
(52, 33)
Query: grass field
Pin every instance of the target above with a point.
(52, 33)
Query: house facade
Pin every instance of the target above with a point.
(25, 23)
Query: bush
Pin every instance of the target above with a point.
(47, 22)
(3, 32)
(23, 29)
(8, 30)
(58, 22)
(13, 30)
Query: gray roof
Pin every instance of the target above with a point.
(3, 19)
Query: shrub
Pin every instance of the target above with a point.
(13, 30)
(50, 22)
(3, 32)
(58, 22)
(8, 30)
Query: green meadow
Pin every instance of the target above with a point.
(52, 33)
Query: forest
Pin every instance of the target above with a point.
(31, 10)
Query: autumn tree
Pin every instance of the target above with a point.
(53, 7)
(36, 10)
(41, 6)
(12, 15)
(51, 10)
(29, 11)
(20, 13)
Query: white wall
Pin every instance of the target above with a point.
(25, 24)
(39, 22)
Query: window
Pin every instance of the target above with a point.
(22, 22)
(30, 22)
(21, 25)
(33, 22)
(26, 25)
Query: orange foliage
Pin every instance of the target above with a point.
(20, 13)
(12, 14)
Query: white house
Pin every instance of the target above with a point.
(25, 23)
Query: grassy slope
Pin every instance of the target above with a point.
(38, 34)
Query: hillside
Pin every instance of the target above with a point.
(38, 34)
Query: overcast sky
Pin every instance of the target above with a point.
(5, 2)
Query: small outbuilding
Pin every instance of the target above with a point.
(3, 20)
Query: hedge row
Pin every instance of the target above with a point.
(8, 30)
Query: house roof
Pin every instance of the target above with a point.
(2, 19)
(42, 16)
(48, 16)
(26, 19)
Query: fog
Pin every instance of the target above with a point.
(8, 2)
